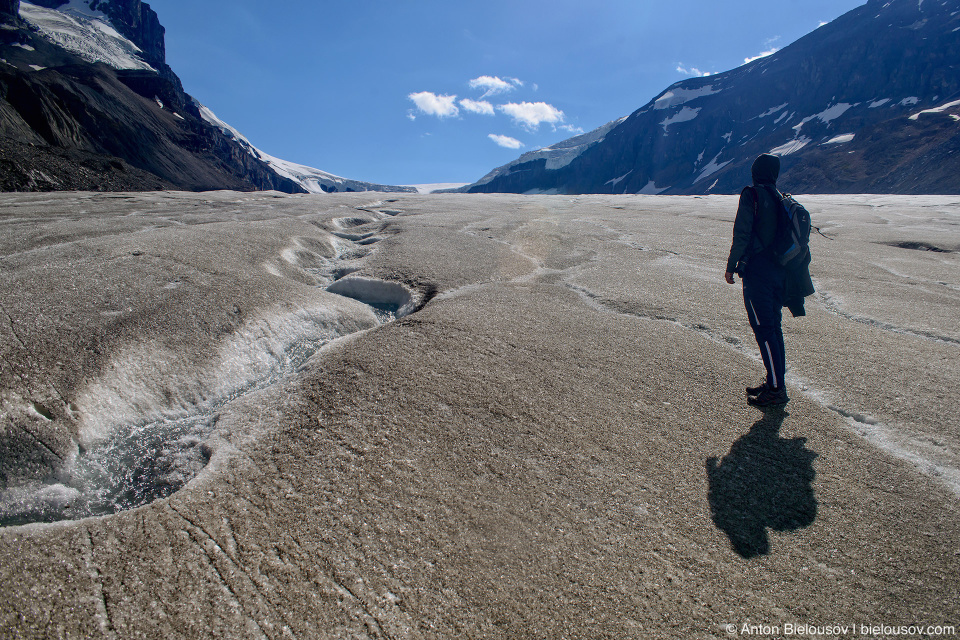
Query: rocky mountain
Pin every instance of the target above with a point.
(88, 102)
(868, 103)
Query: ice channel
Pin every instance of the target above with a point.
(150, 457)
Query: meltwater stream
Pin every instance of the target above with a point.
(141, 463)
(147, 461)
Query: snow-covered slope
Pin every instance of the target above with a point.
(558, 155)
(312, 180)
(86, 32)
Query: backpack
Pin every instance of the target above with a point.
(791, 242)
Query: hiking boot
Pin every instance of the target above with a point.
(755, 391)
(769, 398)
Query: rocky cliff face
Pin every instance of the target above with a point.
(132, 18)
(9, 11)
(138, 22)
(841, 106)
(81, 110)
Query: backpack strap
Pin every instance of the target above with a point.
(756, 212)
(756, 199)
(778, 197)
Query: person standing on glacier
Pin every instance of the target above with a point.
(764, 279)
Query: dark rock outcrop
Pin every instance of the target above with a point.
(836, 105)
(139, 23)
(10, 12)
(68, 123)
(72, 113)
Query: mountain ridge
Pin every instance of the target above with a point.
(87, 101)
(837, 105)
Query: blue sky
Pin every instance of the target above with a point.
(365, 89)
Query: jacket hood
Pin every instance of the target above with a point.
(766, 169)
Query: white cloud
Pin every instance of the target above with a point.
(505, 141)
(477, 106)
(492, 85)
(693, 71)
(434, 105)
(764, 54)
(570, 128)
(530, 115)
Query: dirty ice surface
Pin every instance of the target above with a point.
(140, 427)
(878, 347)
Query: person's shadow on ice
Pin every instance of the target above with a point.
(764, 482)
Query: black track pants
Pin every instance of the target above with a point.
(763, 285)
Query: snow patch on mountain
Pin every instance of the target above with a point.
(830, 113)
(678, 96)
(560, 154)
(312, 180)
(309, 178)
(940, 109)
(712, 167)
(791, 147)
(772, 110)
(211, 118)
(651, 189)
(684, 115)
(841, 139)
(85, 32)
(613, 183)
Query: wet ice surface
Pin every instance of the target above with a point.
(135, 467)
(122, 461)
(140, 463)
(878, 347)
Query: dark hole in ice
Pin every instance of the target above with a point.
(343, 272)
(42, 410)
(919, 246)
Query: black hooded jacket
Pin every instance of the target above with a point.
(756, 223)
(756, 226)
